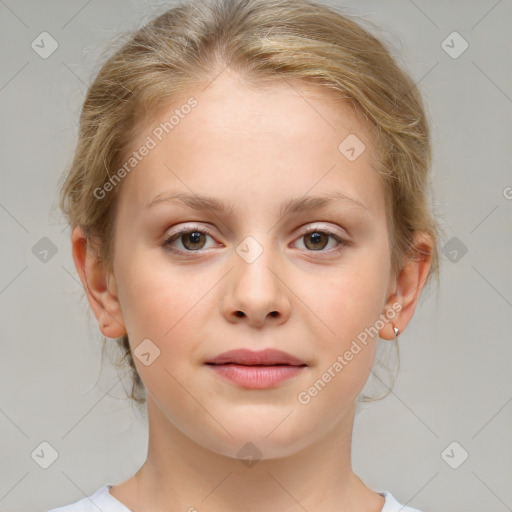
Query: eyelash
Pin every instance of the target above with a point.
(190, 254)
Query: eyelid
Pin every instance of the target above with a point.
(315, 226)
(304, 230)
(187, 229)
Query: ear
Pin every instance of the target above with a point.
(409, 284)
(99, 285)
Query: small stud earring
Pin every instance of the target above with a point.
(396, 330)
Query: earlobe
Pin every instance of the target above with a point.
(99, 286)
(391, 313)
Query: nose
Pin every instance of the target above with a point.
(257, 293)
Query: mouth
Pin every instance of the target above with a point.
(257, 370)
(241, 364)
(267, 357)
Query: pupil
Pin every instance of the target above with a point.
(195, 236)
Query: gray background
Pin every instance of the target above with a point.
(455, 378)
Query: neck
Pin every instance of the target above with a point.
(180, 472)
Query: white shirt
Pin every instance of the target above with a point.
(104, 501)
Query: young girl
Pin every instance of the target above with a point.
(249, 212)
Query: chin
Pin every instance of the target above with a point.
(259, 440)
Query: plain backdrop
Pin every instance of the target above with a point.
(452, 398)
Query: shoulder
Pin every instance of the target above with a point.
(392, 505)
(101, 500)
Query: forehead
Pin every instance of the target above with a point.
(248, 141)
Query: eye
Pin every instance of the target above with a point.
(192, 239)
(317, 239)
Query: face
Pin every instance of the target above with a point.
(254, 275)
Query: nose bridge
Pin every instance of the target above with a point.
(256, 255)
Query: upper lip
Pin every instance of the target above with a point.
(267, 357)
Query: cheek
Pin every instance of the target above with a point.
(166, 309)
(349, 301)
(160, 302)
(348, 304)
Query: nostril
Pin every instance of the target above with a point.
(240, 314)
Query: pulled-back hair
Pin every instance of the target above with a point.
(263, 42)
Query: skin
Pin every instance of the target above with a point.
(254, 148)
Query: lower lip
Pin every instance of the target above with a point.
(257, 377)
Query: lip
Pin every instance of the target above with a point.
(268, 357)
(256, 370)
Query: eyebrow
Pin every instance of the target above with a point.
(289, 207)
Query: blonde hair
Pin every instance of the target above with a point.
(263, 41)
